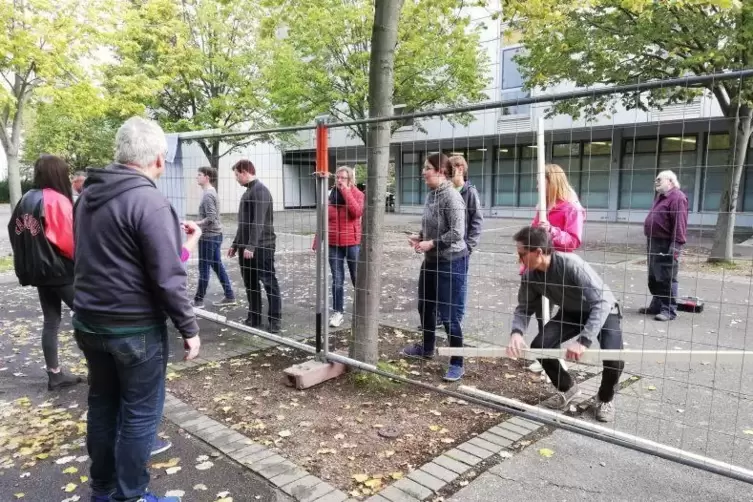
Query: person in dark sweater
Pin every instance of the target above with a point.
(131, 279)
(255, 245)
(588, 312)
(210, 242)
(665, 229)
(41, 235)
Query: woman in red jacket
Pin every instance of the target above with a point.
(344, 211)
(41, 235)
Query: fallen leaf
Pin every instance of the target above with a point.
(19, 495)
(505, 454)
(546, 452)
(173, 470)
(284, 434)
(373, 483)
(70, 470)
(651, 387)
(397, 475)
(435, 413)
(164, 465)
(749, 432)
(434, 428)
(377, 426)
(204, 466)
(339, 436)
(70, 487)
(200, 487)
(225, 499)
(447, 440)
(62, 460)
(360, 478)
(84, 479)
(175, 493)
(324, 451)
(223, 495)
(508, 376)
(202, 458)
(25, 475)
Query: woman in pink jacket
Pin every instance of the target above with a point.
(565, 217)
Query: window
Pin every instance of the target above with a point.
(678, 154)
(512, 83)
(411, 181)
(504, 176)
(528, 194)
(594, 182)
(716, 165)
(637, 174)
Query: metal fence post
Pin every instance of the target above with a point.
(322, 231)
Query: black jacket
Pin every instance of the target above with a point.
(255, 219)
(35, 236)
(128, 243)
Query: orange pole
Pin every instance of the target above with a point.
(322, 149)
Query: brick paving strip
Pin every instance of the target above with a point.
(420, 484)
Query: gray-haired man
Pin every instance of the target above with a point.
(131, 279)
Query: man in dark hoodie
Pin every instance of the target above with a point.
(473, 217)
(128, 279)
(255, 244)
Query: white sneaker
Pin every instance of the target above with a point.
(536, 367)
(336, 319)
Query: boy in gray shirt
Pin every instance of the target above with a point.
(588, 311)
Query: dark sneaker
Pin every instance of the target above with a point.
(416, 350)
(160, 446)
(647, 311)
(275, 327)
(454, 373)
(604, 412)
(252, 323)
(226, 302)
(561, 401)
(663, 317)
(198, 304)
(60, 380)
(148, 497)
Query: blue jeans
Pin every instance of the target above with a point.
(441, 288)
(126, 397)
(211, 257)
(337, 257)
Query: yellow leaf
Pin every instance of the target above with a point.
(70, 487)
(396, 475)
(70, 470)
(19, 495)
(373, 483)
(651, 387)
(81, 427)
(360, 478)
(226, 408)
(43, 456)
(546, 452)
(164, 465)
(434, 428)
(84, 479)
(225, 499)
(748, 431)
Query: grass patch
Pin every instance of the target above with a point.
(6, 263)
(373, 382)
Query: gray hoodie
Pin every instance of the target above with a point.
(443, 223)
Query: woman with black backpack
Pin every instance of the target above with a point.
(41, 235)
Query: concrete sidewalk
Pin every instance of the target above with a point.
(582, 468)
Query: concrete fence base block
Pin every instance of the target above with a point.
(310, 373)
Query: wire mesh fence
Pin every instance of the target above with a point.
(459, 277)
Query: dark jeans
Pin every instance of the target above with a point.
(441, 287)
(210, 257)
(662, 277)
(565, 326)
(51, 298)
(261, 269)
(338, 255)
(126, 397)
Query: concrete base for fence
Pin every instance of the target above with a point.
(310, 373)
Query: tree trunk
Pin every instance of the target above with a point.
(739, 133)
(14, 176)
(365, 346)
(211, 149)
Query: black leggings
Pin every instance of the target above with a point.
(51, 298)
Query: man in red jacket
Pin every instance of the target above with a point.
(665, 229)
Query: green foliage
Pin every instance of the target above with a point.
(192, 64)
(5, 192)
(72, 123)
(320, 55)
(373, 382)
(617, 42)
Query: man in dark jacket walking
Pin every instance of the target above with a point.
(255, 245)
(665, 228)
(130, 279)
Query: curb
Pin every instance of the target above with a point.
(420, 484)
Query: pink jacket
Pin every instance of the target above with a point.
(566, 219)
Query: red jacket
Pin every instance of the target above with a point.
(345, 221)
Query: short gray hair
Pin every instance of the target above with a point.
(139, 142)
(671, 176)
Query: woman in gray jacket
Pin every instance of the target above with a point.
(443, 272)
(211, 240)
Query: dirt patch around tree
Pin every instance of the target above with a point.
(359, 432)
